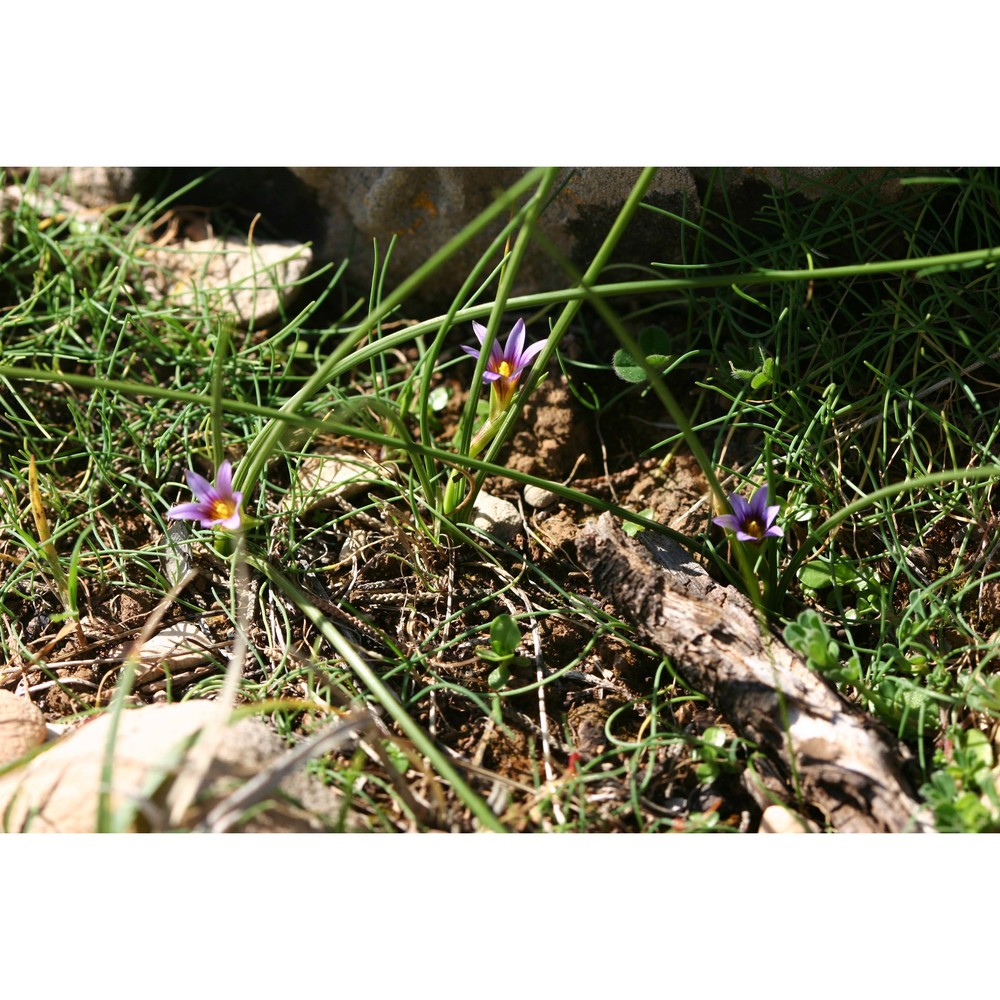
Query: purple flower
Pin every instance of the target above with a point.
(217, 506)
(503, 370)
(752, 522)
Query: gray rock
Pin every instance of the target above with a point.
(93, 186)
(22, 726)
(180, 646)
(780, 819)
(539, 498)
(331, 474)
(496, 517)
(251, 281)
(57, 791)
(424, 207)
(6, 208)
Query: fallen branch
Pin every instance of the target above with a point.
(840, 760)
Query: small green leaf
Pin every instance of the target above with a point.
(631, 528)
(715, 736)
(505, 636)
(809, 637)
(764, 375)
(438, 398)
(396, 756)
(707, 772)
(626, 367)
(498, 677)
(654, 342)
(977, 749)
(815, 576)
(760, 377)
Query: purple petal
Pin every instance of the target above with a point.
(756, 514)
(741, 509)
(727, 521)
(515, 344)
(200, 486)
(758, 504)
(489, 376)
(224, 479)
(187, 512)
(470, 350)
(496, 355)
(531, 353)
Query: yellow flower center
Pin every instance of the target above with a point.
(222, 509)
(754, 527)
(504, 369)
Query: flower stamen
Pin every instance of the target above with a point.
(222, 509)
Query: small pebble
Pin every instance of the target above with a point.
(182, 645)
(496, 517)
(539, 498)
(779, 819)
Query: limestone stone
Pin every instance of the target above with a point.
(180, 646)
(424, 207)
(248, 280)
(496, 516)
(342, 210)
(539, 498)
(332, 475)
(58, 790)
(780, 819)
(22, 727)
(93, 186)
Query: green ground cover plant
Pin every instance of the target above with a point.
(830, 367)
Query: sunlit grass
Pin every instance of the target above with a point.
(840, 348)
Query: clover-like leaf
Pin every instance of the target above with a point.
(654, 343)
(505, 636)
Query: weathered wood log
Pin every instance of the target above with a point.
(842, 762)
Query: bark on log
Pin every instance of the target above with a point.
(846, 766)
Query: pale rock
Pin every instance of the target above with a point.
(496, 517)
(336, 475)
(539, 497)
(93, 186)
(780, 819)
(250, 281)
(420, 208)
(177, 647)
(22, 727)
(58, 790)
